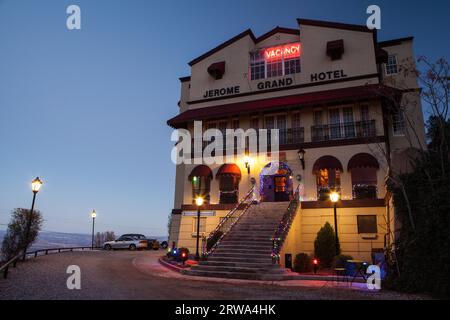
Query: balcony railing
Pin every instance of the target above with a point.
(346, 130)
(289, 136)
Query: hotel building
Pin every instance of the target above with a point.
(333, 91)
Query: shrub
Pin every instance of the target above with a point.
(324, 245)
(15, 240)
(302, 263)
(339, 261)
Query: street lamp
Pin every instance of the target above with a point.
(334, 197)
(93, 216)
(35, 187)
(301, 157)
(199, 202)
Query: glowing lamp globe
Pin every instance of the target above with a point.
(334, 197)
(36, 185)
(199, 201)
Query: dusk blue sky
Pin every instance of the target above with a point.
(86, 110)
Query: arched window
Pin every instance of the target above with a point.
(363, 168)
(327, 170)
(229, 176)
(200, 178)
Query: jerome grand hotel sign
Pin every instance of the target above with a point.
(288, 51)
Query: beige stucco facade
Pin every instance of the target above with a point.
(361, 68)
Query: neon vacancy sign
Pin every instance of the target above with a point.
(288, 51)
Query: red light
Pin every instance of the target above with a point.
(287, 51)
(315, 261)
(183, 254)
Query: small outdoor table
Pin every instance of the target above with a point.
(360, 270)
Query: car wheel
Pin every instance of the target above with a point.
(164, 244)
(107, 247)
(132, 247)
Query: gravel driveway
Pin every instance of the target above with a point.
(138, 275)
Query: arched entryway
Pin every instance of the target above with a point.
(229, 176)
(327, 170)
(363, 168)
(200, 178)
(275, 182)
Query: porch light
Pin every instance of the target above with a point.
(248, 163)
(301, 157)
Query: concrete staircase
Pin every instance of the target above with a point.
(245, 252)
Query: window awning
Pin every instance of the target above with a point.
(201, 171)
(312, 98)
(363, 160)
(217, 70)
(327, 162)
(335, 49)
(229, 169)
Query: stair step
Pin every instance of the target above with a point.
(237, 275)
(237, 269)
(265, 251)
(239, 260)
(249, 246)
(267, 265)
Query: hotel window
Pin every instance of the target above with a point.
(391, 65)
(297, 132)
(275, 62)
(202, 225)
(292, 66)
(274, 68)
(335, 124)
(257, 65)
(281, 126)
(318, 132)
(255, 123)
(364, 109)
(398, 123)
(367, 223)
(349, 125)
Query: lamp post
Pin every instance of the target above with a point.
(93, 216)
(334, 197)
(301, 157)
(199, 202)
(35, 187)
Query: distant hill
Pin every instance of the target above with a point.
(49, 239)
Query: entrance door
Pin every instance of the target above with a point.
(275, 182)
(280, 184)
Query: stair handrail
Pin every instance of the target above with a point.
(282, 230)
(223, 228)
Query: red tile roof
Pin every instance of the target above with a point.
(344, 94)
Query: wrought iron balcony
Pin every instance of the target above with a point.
(346, 130)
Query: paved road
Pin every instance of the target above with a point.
(138, 275)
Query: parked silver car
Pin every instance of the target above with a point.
(126, 242)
